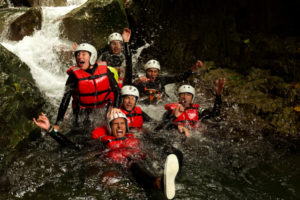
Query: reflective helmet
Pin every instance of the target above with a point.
(130, 90)
(116, 116)
(152, 64)
(187, 89)
(89, 48)
(115, 36)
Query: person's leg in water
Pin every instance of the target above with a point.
(169, 149)
(148, 181)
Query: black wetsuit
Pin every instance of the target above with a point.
(70, 86)
(169, 117)
(159, 85)
(63, 140)
(116, 60)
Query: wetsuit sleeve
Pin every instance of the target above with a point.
(214, 112)
(140, 88)
(147, 118)
(99, 55)
(174, 79)
(128, 69)
(63, 140)
(69, 88)
(115, 89)
(167, 120)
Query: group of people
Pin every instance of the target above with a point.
(104, 102)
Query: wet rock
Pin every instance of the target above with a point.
(7, 16)
(35, 3)
(94, 21)
(235, 34)
(260, 95)
(20, 100)
(3, 4)
(20, 3)
(25, 24)
(66, 55)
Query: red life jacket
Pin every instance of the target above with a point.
(190, 115)
(134, 118)
(93, 91)
(119, 148)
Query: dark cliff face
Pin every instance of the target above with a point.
(20, 100)
(235, 34)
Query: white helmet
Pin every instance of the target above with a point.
(115, 36)
(187, 89)
(152, 64)
(89, 48)
(130, 90)
(116, 116)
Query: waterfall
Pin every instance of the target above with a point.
(40, 51)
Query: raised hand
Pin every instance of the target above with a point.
(42, 121)
(197, 65)
(112, 111)
(219, 86)
(142, 79)
(126, 34)
(178, 110)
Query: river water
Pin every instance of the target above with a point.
(228, 159)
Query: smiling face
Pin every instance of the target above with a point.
(115, 46)
(185, 99)
(118, 127)
(83, 59)
(152, 73)
(129, 102)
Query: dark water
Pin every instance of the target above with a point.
(215, 167)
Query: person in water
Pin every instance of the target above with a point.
(135, 116)
(91, 85)
(152, 86)
(123, 148)
(118, 56)
(185, 114)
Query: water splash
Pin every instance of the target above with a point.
(40, 51)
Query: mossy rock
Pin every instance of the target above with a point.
(94, 21)
(20, 100)
(268, 97)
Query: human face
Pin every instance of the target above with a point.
(118, 127)
(115, 46)
(83, 59)
(185, 99)
(152, 73)
(129, 102)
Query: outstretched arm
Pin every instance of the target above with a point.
(183, 76)
(43, 122)
(216, 110)
(128, 70)
(167, 120)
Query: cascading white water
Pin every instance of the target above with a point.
(39, 50)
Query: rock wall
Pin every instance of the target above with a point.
(94, 21)
(34, 3)
(235, 34)
(20, 100)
